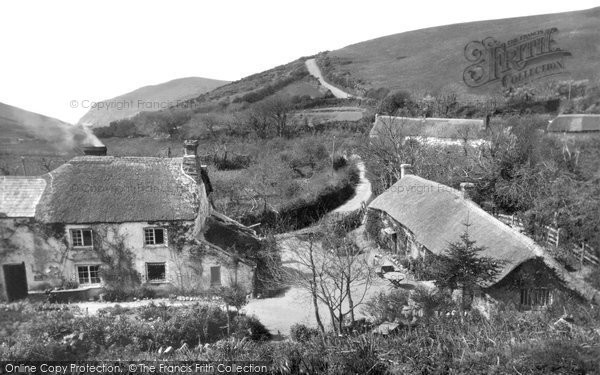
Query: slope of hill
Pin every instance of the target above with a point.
(148, 98)
(31, 143)
(290, 79)
(435, 59)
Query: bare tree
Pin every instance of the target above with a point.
(331, 268)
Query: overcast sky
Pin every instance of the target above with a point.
(53, 52)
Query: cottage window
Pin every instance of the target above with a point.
(88, 274)
(215, 276)
(156, 272)
(81, 237)
(536, 297)
(155, 236)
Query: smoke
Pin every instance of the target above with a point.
(61, 136)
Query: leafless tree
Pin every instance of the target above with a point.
(331, 268)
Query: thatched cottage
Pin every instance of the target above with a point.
(421, 217)
(99, 220)
(429, 130)
(575, 126)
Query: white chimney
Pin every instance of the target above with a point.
(465, 188)
(405, 169)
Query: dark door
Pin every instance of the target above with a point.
(215, 276)
(15, 280)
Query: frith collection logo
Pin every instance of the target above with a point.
(520, 60)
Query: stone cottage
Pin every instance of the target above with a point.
(420, 217)
(100, 219)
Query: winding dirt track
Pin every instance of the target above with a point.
(313, 69)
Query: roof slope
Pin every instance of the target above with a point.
(454, 128)
(436, 214)
(93, 189)
(19, 195)
(575, 123)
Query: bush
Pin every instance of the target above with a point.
(339, 162)
(386, 307)
(302, 333)
(250, 327)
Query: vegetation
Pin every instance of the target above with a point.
(55, 332)
(506, 343)
(461, 267)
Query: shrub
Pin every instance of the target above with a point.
(302, 333)
(69, 284)
(386, 307)
(250, 327)
(339, 162)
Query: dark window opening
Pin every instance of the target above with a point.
(154, 236)
(156, 272)
(81, 237)
(536, 297)
(89, 274)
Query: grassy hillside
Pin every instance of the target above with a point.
(33, 140)
(148, 98)
(289, 79)
(433, 59)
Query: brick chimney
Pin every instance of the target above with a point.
(466, 188)
(405, 169)
(94, 150)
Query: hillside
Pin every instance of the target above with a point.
(291, 79)
(148, 98)
(31, 140)
(434, 59)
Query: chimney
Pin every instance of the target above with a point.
(465, 189)
(191, 147)
(95, 150)
(405, 169)
(191, 166)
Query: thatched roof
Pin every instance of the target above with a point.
(575, 124)
(435, 214)
(386, 126)
(107, 189)
(19, 195)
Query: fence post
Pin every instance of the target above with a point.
(582, 255)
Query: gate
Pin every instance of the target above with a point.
(15, 279)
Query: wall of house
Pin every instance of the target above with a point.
(402, 241)
(45, 256)
(50, 259)
(532, 274)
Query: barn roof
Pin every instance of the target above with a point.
(19, 195)
(107, 189)
(428, 127)
(435, 214)
(575, 123)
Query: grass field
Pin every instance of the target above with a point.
(433, 59)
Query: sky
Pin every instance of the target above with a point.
(56, 53)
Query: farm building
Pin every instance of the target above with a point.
(148, 217)
(575, 126)
(437, 131)
(421, 217)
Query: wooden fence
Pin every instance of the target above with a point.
(512, 221)
(585, 253)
